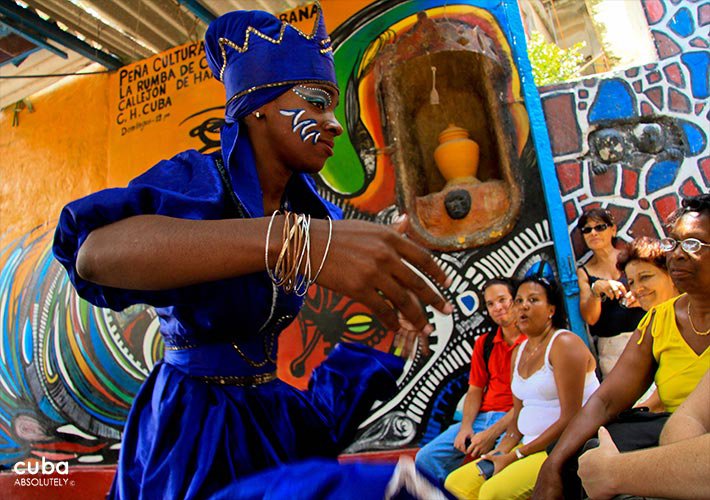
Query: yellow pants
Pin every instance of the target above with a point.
(516, 481)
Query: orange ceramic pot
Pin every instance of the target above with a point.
(457, 154)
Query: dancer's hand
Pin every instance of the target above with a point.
(405, 339)
(375, 265)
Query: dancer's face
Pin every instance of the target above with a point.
(302, 126)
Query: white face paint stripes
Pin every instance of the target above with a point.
(302, 127)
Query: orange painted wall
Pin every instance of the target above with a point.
(75, 142)
(157, 106)
(56, 154)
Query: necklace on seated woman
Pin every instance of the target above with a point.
(543, 340)
(690, 320)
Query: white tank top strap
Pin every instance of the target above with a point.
(549, 346)
(520, 352)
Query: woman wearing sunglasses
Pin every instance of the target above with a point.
(602, 289)
(670, 346)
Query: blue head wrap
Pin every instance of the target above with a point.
(258, 57)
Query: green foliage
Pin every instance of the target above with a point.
(551, 64)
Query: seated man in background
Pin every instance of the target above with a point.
(678, 468)
(486, 410)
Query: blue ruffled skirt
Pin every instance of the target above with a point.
(187, 438)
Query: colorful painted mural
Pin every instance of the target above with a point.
(362, 178)
(631, 141)
(69, 370)
(73, 369)
(636, 140)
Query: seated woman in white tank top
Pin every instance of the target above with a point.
(553, 376)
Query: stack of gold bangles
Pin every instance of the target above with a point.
(293, 270)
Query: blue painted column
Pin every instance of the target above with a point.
(538, 127)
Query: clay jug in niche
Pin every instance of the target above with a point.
(456, 156)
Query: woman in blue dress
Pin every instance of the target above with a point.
(194, 237)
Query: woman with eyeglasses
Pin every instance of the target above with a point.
(670, 346)
(602, 289)
(552, 376)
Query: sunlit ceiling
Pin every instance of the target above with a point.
(60, 37)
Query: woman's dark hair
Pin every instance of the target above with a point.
(601, 214)
(506, 282)
(553, 294)
(699, 203)
(644, 249)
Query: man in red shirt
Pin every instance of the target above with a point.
(486, 410)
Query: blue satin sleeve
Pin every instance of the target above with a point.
(188, 186)
(183, 187)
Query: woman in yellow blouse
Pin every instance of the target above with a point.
(671, 345)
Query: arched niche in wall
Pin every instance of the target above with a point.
(472, 81)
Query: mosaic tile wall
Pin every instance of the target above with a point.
(634, 141)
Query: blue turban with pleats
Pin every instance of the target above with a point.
(258, 57)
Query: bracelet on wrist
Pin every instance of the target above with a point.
(519, 454)
(293, 271)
